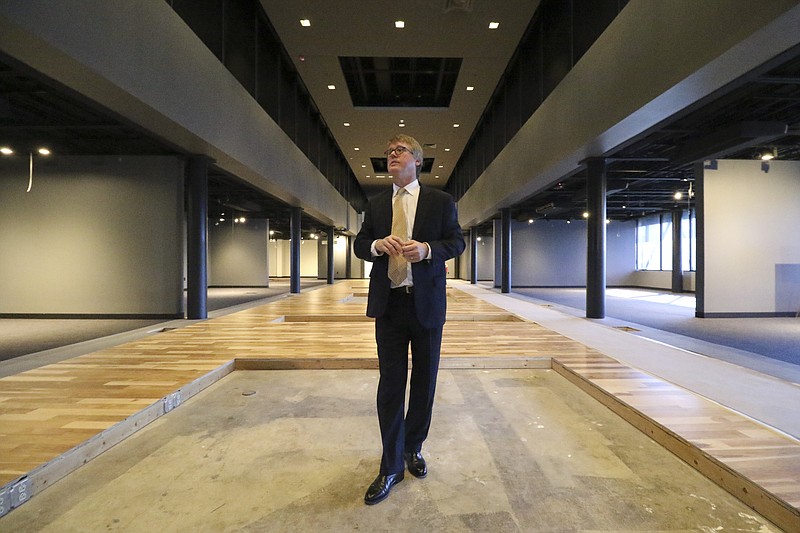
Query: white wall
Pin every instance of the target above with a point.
(95, 236)
(280, 264)
(752, 246)
(237, 253)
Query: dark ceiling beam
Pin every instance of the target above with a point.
(732, 139)
(782, 80)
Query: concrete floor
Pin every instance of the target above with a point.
(509, 450)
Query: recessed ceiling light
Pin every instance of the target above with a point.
(494, 25)
(470, 88)
(399, 24)
(441, 166)
(5, 150)
(447, 149)
(43, 151)
(305, 23)
(356, 148)
(456, 125)
(331, 87)
(401, 125)
(437, 177)
(363, 165)
(346, 124)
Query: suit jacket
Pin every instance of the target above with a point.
(435, 222)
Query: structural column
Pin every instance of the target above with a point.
(596, 239)
(196, 238)
(505, 251)
(348, 258)
(331, 269)
(677, 258)
(294, 247)
(473, 255)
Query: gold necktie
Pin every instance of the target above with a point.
(397, 263)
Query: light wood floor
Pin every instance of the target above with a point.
(55, 418)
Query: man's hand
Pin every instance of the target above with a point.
(412, 251)
(415, 251)
(390, 245)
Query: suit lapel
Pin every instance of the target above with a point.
(385, 211)
(423, 206)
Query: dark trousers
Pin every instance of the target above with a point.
(404, 431)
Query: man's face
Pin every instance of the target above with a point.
(400, 160)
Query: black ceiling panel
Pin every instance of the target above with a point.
(400, 81)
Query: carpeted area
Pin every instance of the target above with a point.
(775, 338)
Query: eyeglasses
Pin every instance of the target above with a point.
(397, 150)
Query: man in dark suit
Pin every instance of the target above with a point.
(408, 233)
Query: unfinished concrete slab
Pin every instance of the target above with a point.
(509, 450)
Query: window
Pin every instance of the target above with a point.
(688, 241)
(648, 243)
(654, 242)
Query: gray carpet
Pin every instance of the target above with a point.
(776, 338)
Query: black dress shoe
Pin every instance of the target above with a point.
(416, 464)
(380, 488)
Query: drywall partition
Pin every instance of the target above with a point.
(94, 236)
(339, 257)
(485, 251)
(751, 249)
(237, 252)
(552, 253)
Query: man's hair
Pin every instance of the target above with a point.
(416, 149)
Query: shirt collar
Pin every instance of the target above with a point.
(411, 188)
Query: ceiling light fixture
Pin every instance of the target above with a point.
(456, 125)
(5, 150)
(769, 154)
(346, 124)
(470, 88)
(585, 214)
(494, 25)
(399, 24)
(332, 87)
(678, 195)
(305, 23)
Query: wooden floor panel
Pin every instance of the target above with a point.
(46, 412)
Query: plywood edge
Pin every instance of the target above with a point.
(309, 363)
(772, 507)
(50, 472)
(491, 362)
